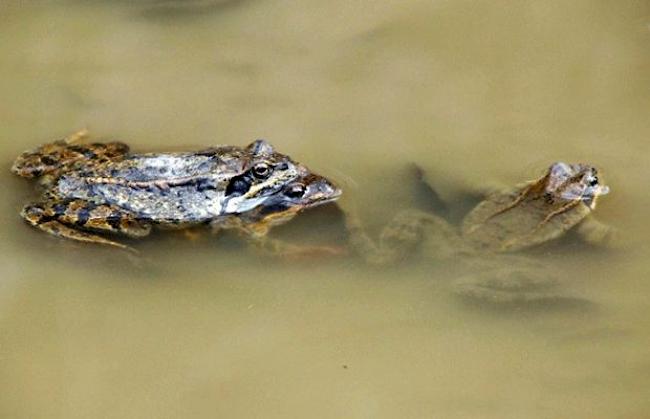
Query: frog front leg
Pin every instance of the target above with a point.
(255, 234)
(79, 220)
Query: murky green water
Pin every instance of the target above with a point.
(357, 90)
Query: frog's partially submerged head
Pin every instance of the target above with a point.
(575, 182)
(307, 191)
(275, 183)
(265, 172)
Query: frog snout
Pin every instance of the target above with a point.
(329, 190)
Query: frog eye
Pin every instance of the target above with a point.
(261, 170)
(296, 190)
(593, 181)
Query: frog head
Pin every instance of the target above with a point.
(265, 172)
(575, 182)
(307, 191)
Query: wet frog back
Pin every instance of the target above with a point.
(163, 188)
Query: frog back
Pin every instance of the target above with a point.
(496, 224)
(163, 188)
(158, 167)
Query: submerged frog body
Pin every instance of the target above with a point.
(536, 212)
(504, 222)
(102, 188)
(513, 281)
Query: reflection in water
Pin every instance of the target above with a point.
(473, 92)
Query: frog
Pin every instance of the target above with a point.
(91, 189)
(491, 239)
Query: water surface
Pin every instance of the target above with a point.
(473, 91)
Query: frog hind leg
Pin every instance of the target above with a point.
(33, 214)
(104, 218)
(53, 157)
(79, 220)
(401, 238)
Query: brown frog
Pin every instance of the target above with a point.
(90, 189)
(505, 222)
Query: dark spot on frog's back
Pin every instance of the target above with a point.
(205, 184)
(114, 220)
(48, 161)
(113, 149)
(59, 209)
(208, 164)
(85, 151)
(83, 214)
(77, 148)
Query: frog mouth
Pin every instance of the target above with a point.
(238, 204)
(328, 197)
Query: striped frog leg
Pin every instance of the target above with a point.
(81, 220)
